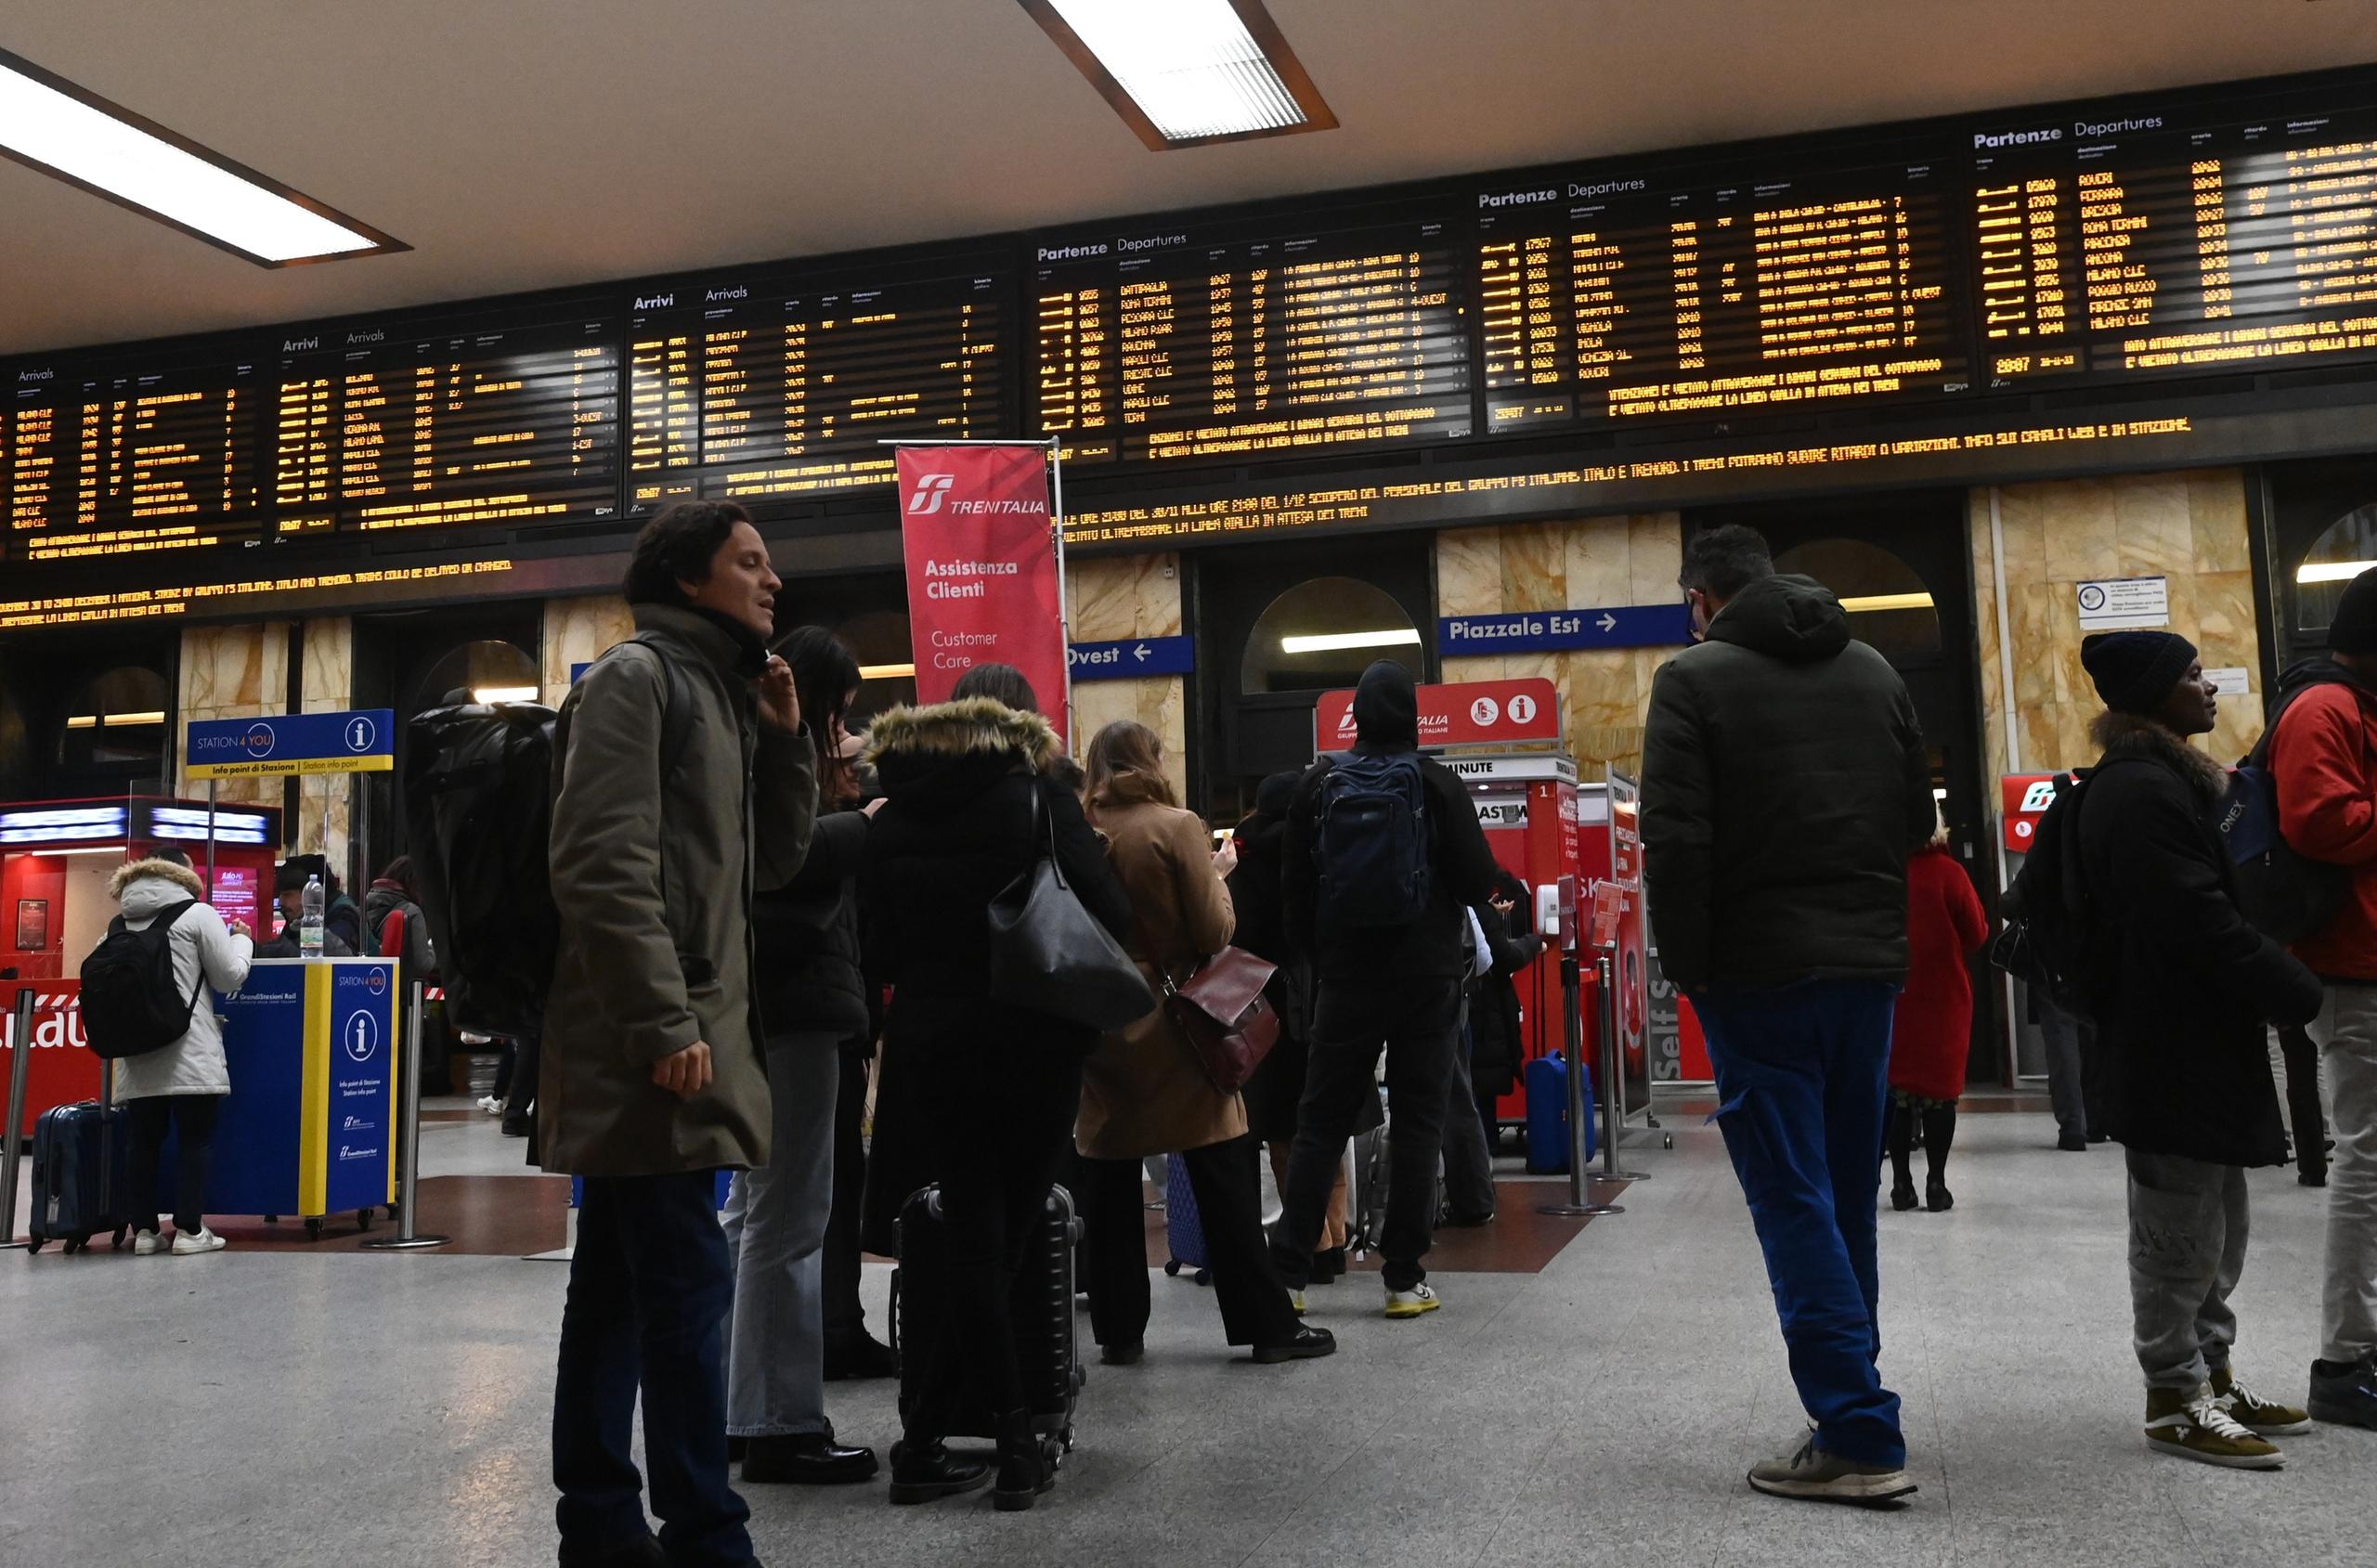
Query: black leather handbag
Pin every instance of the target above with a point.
(1050, 954)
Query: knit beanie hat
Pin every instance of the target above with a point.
(2354, 627)
(2134, 671)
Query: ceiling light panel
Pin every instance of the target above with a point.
(53, 125)
(1343, 642)
(1183, 72)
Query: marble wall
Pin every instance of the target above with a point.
(1115, 597)
(579, 631)
(1618, 559)
(232, 672)
(2188, 528)
(326, 806)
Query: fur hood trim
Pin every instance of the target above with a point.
(975, 726)
(2126, 734)
(180, 876)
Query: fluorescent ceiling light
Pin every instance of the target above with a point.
(504, 693)
(125, 721)
(84, 721)
(1338, 641)
(2331, 572)
(1873, 602)
(1184, 72)
(886, 671)
(49, 124)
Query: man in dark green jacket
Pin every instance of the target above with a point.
(650, 1079)
(1784, 783)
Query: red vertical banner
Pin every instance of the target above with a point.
(983, 580)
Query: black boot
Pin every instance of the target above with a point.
(1939, 1137)
(1901, 1148)
(1026, 1466)
(923, 1471)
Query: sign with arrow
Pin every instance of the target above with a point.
(1133, 658)
(1549, 631)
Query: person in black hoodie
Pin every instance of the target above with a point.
(811, 1002)
(995, 1087)
(1499, 1046)
(2183, 989)
(1784, 784)
(1399, 986)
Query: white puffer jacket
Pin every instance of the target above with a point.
(202, 944)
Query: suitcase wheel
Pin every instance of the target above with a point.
(363, 1219)
(35, 1244)
(116, 1244)
(1204, 1277)
(314, 1228)
(1065, 1438)
(1172, 1268)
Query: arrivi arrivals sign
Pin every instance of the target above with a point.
(983, 580)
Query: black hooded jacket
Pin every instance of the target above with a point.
(1784, 783)
(1436, 946)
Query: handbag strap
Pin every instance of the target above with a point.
(1044, 828)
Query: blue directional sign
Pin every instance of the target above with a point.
(361, 742)
(1132, 658)
(1546, 631)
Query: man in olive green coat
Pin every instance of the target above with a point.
(652, 1078)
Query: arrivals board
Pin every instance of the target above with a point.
(386, 427)
(742, 390)
(1208, 343)
(2180, 238)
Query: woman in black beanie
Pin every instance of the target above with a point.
(2183, 989)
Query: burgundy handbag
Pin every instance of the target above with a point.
(1228, 1021)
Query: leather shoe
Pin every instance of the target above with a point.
(809, 1458)
(1306, 1344)
(922, 1472)
(1123, 1356)
(645, 1554)
(862, 1357)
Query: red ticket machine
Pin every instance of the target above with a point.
(56, 859)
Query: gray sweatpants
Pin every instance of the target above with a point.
(2188, 1222)
(2347, 1035)
(775, 1231)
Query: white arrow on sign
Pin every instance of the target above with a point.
(1141, 652)
(1607, 622)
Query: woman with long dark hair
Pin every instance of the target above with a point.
(814, 1005)
(1146, 1092)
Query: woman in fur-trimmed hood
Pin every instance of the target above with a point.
(184, 1082)
(975, 1095)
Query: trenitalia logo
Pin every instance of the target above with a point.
(931, 490)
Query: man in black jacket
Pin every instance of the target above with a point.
(2183, 989)
(1396, 985)
(1784, 783)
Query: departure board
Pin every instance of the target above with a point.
(1614, 295)
(742, 390)
(2169, 239)
(1208, 346)
(111, 460)
(380, 428)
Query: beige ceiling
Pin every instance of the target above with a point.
(520, 144)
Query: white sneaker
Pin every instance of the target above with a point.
(148, 1244)
(491, 1105)
(185, 1245)
(1420, 1299)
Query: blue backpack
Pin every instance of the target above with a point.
(2285, 895)
(1373, 847)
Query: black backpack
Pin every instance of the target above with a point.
(131, 1003)
(1372, 845)
(479, 785)
(2049, 921)
(2285, 896)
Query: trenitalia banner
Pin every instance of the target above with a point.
(983, 581)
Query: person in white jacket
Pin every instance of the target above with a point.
(182, 1085)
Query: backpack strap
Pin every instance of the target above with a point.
(164, 922)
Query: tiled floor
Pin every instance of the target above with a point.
(294, 1405)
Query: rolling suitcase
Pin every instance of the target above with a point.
(1183, 1232)
(1047, 1351)
(81, 1157)
(1547, 1117)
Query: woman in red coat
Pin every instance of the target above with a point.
(1945, 926)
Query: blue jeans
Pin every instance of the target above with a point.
(649, 1289)
(776, 1234)
(1802, 1080)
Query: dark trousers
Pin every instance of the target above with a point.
(1418, 1022)
(1469, 1149)
(507, 1062)
(1228, 1188)
(195, 1116)
(1802, 1088)
(845, 1318)
(649, 1290)
(2304, 1114)
(519, 1096)
(1002, 1119)
(2067, 1038)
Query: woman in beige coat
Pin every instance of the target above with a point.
(1144, 1091)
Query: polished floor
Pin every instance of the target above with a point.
(290, 1404)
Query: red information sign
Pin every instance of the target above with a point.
(63, 1070)
(2027, 796)
(1471, 713)
(1609, 909)
(981, 568)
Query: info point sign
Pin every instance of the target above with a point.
(360, 742)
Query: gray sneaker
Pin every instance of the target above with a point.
(1820, 1477)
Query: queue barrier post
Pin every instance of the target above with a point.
(11, 1139)
(1572, 1046)
(408, 1123)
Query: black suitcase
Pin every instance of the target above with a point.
(82, 1156)
(1047, 1348)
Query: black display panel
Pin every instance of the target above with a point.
(109, 460)
(1625, 294)
(744, 390)
(2189, 237)
(384, 427)
(1212, 343)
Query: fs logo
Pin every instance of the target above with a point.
(2038, 796)
(931, 490)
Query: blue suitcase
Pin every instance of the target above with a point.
(82, 1159)
(1182, 1230)
(1547, 1117)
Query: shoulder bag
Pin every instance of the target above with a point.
(1050, 954)
(1222, 1011)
